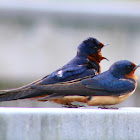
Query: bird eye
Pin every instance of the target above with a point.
(129, 68)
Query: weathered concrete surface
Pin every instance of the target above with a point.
(69, 124)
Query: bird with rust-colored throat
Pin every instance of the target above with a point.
(108, 88)
(84, 65)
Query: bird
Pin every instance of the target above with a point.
(85, 64)
(108, 88)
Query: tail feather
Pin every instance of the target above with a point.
(35, 90)
(20, 94)
(17, 93)
(12, 94)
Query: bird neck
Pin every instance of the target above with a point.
(131, 75)
(127, 76)
(95, 65)
(96, 57)
(92, 60)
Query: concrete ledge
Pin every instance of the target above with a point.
(69, 124)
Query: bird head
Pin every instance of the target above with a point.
(124, 69)
(91, 48)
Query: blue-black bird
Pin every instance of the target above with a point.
(108, 88)
(85, 64)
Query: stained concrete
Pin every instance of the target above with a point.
(69, 124)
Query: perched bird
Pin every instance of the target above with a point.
(108, 88)
(85, 64)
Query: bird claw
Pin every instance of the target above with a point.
(105, 107)
(72, 106)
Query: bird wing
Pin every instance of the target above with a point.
(117, 86)
(17, 93)
(69, 71)
(15, 90)
(33, 90)
(88, 87)
(27, 92)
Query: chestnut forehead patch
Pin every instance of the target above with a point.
(133, 64)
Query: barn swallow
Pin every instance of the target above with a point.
(108, 88)
(85, 64)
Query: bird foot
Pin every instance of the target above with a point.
(105, 107)
(72, 106)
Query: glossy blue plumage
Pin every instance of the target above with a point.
(108, 88)
(85, 63)
(80, 66)
(113, 80)
(110, 83)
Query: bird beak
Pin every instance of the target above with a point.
(106, 44)
(101, 45)
(99, 50)
(105, 58)
(136, 66)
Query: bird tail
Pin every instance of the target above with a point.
(18, 93)
(10, 94)
(51, 91)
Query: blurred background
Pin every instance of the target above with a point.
(38, 37)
